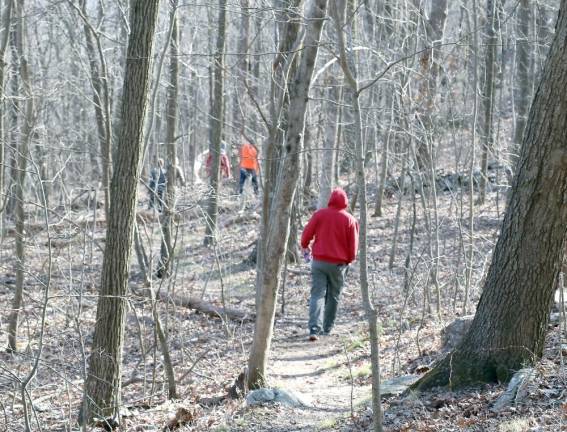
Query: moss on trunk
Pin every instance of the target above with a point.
(464, 367)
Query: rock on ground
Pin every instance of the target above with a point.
(397, 386)
(517, 389)
(267, 395)
(452, 334)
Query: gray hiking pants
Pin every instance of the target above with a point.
(326, 284)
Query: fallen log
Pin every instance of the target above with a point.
(204, 307)
(240, 218)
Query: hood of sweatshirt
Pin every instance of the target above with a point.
(338, 199)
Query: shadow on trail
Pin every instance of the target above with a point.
(330, 409)
(319, 371)
(315, 356)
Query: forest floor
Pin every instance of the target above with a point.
(331, 376)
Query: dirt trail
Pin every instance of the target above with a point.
(317, 372)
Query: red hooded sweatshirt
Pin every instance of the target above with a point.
(335, 231)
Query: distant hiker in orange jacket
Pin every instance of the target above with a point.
(334, 232)
(248, 166)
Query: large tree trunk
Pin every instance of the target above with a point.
(103, 383)
(217, 123)
(276, 238)
(509, 327)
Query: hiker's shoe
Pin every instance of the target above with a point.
(314, 334)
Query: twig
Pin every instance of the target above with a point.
(202, 356)
(349, 365)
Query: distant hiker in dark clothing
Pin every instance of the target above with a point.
(157, 184)
(248, 166)
(334, 232)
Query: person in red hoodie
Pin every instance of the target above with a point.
(334, 233)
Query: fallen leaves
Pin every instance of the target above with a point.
(182, 417)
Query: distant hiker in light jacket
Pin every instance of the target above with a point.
(224, 163)
(334, 232)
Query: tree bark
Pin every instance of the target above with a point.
(6, 20)
(167, 240)
(329, 141)
(284, 65)
(276, 238)
(22, 159)
(522, 93)
(381, 186)
(338, 12)
(491, 37)
(239, 108)
(217, 123)
(101, 98)
(103, 383)
(509, 328)
(430, 68)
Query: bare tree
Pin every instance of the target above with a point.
(216, 124)
(430, 68)
(239, 113)
(510, 324)
(284, 66)
(268, 274)
(101, 98)
(329, 141)
(167, 243)
(522, 94)
(22, 161)
(338, 12)
(103, 383)
(6, 20)
(492, 24)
